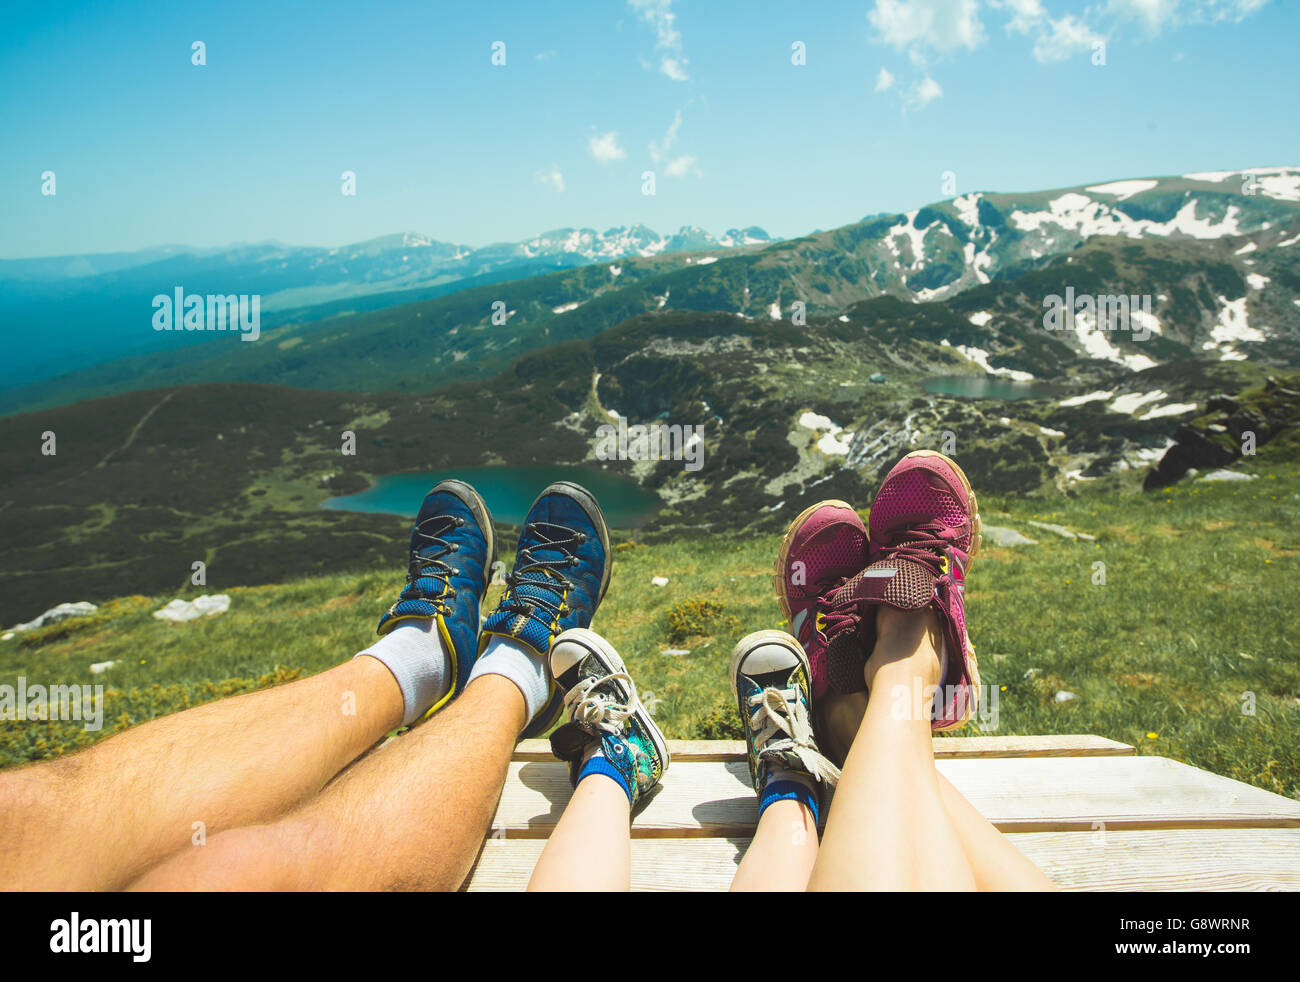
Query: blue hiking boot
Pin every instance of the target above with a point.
(561, 572)
(451, 555)
(601, 705)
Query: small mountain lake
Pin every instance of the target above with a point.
(986, 387)
(508, 491)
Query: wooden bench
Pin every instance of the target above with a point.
(1091, 813)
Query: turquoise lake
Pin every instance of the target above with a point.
(986, 387)
(508, 491)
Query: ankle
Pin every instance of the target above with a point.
(908, 643)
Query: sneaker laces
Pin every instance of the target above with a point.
(837, 615)
(780, 711)
(585, 704)
(545, 572)
(432, 566)
(925, 543)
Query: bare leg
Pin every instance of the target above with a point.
(591, 847)
(888, 828)
(996, 862)
(100, 818)
(408, 818)
(783, 852)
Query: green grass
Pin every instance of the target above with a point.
(1197, 610)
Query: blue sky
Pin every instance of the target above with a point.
(148, 148)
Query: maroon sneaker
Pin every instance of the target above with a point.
(825, 545)
(924, 529)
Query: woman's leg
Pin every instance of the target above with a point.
(888, 828)
(995, 861)
(591, 848)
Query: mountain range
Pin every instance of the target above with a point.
(810, 363)
(102, 301)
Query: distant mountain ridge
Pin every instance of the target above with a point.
(101, 302)
(1215, 251)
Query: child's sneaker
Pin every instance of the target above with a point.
(606, 730)
(769, 681)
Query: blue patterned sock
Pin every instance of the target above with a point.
(595, 763)
(787, 786)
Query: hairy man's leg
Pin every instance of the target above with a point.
(99, 818)
(410, 817)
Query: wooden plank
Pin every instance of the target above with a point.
(1066, 793)
(715, 799)
(657, 864)
(1049, 745)
(1150, 860)
(1169, 859)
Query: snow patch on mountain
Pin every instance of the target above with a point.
(1081, 214)
(1130, 401)
(1087, 397)
(1123, 189)
(967, 207)
(1232, 326)
(1171, 409)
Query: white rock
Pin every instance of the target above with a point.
(178, 610)
(1222, 475)
(101, 666)
(1030, 672)
(659, 580)
(1062, 531)
(1004, 538)
(676, 652)
(1064, 696)
(60, 612)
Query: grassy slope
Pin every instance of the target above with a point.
(1198, 608)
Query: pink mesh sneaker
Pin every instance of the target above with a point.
(924, 531)
(825, 545)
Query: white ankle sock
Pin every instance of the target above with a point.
(414, 653)
(521, 665)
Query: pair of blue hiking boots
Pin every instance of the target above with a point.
(561, 572)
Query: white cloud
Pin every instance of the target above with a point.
(659, 15)
(941, 25)
(605, 148)
(546, 55)
(885, 80)
(674, 68)
(553, 177)
(659, 149)
(681, 166)
(924, 93)
(1064, 38)
(1156, 15)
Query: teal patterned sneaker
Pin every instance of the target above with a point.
(770, 683)
(606, 730)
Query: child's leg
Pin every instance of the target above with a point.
(770, 682)
(783, 852)
(591, 848)
(616, 755)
